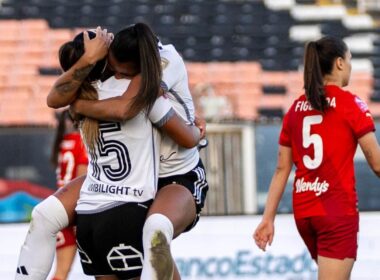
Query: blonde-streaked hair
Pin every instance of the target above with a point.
(69, 54)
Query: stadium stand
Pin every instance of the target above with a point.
(242, 49)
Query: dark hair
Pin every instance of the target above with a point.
(319, 59)
(71, 51)
(138, 45)
(69, 54)
(59, 134)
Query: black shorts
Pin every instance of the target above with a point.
(110, 242)
(195, 182)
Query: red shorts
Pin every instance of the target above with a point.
(66, 237)
(329, 236)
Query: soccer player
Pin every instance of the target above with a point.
(320, 134)
(123, 166)
(69, 156)
(182, 184)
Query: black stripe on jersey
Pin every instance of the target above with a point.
(164, 86)
(109, 126)
(154, 161)
(180, 101)
(95, 166)
(165, 118)
(199, 184)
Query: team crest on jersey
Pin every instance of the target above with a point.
(164, 62)
(361, 104)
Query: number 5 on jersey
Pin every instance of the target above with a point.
(111, 146)
(312, 139)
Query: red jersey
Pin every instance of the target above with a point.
(72, 153)
(323, 148)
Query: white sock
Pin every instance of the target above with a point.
(37, 252)
(154, 223)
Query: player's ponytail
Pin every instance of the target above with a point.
(69, 54)
(151, 72)
(137, 44)
(318, 62)
(313, 78)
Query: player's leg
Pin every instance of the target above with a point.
(176, 203)
(337, 245)
(106, 277)
(69, 195)
(175, 209)
(66, 251)
(48, 218)
(334, 269)
(172, 211)
(65, 258)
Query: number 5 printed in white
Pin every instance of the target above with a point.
(312, 139)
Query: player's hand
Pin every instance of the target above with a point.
(97, 48)
(263, 234)
(201, 124)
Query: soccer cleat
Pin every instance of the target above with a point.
(161, 258)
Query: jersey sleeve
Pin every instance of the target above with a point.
(173, 69)
(161, 112)
(359, 117)
(285, 139)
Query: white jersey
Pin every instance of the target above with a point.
(175, 160)
(124, 166)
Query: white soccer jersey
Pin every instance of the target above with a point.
(124, 166)
(175, 160)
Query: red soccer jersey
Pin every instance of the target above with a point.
(323, 148)
(72, 153)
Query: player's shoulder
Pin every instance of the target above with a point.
(75, 136)
(300, 98)
(349, 100)
(169, 53)
(340, 93)
(168, 50)
(70, 141)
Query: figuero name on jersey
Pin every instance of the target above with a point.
(305, 105)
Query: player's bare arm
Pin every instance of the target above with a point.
(64, 90)
(75, 81)
(370, 147)
(264, 232)
(187, 136)
(112, 109)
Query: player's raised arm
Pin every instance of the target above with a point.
(64, 90)
(111, 109)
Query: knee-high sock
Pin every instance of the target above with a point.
(154, 224)
(37, 252)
